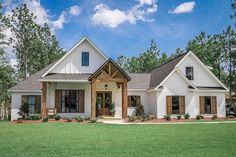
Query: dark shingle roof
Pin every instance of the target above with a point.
(161, 72)
(66, 77)
(139, 81)
(32, 82)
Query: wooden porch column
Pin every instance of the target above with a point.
(93, 98)
(124, 100)
(44, 93)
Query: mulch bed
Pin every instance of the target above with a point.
(49, 121)
(181, 120)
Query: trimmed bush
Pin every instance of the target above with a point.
(93, 120)
(28, 118)
(167, 117)
(151, 117)
(186, 116)
(69, 119)
(57, 117)
(36, 117)
(132, 118)
(214, 117)
(179, 117)
(87, 118)
(198, 117)
(79, 119)
(45, 119)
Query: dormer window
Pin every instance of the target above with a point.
(189, 73)
(85, 59)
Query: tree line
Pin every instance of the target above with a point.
(216, 51)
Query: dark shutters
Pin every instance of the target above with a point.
(169, 105)
(202, 104)
(81, 101)
(38, 104)
(213, 105)
(182, 105)
(58, 100)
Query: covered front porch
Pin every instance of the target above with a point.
(104, 93)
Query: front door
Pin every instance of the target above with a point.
(104, 100)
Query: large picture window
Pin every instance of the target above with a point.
(71, 101)
(32, 103)
(189, 73)
(175, 104)
(133, 100)
(85, 59)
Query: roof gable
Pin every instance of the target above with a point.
(161, 72)
(69, 53)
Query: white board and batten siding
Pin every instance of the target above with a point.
(72, 63)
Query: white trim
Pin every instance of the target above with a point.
(45, 80)
(204, 66)
(71, 50)
(180, 73)
(154, 90)
(26, 91)
(209, 91)
(185, 78)
(138, 90)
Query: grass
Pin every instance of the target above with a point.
(74, 139)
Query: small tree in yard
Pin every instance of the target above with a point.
(24, 110)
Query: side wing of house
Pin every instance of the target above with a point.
(191, 88)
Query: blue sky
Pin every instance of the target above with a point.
(123, 27)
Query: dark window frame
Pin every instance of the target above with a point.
(207, 111)
(30, 105)
(190, 77)
(64, 101)
(134, 99)
(85, 58)
(175, 107)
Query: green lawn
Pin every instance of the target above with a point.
(74, 139)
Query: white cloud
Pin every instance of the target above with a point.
(58, 24)
(147, 2)
(74, 10)
(114, 17)
(186, 7)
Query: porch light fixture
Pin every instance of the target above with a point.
(106, 86)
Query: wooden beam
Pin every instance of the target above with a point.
(93, 98)
(114, 74)
(109, 70)
(44, 98)
(105, 73)
(112, 79)
(124, 99)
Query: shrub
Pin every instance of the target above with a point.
(179, 117)
(145, 118)
(36, 117)
(87, 118)
(28, 118)
(57, 117)
(151, 117)
(132, 118)
(45, 119)
(167, 117)
(214, 117)
(186, 116)
(79, 119)
(139, 110)
(93, 120)
(198, 117)
(69, 119)
(24, 110)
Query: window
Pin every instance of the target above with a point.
(189, 73)
(31, 99)
(207, 104)
(175, 104)
(133, 100)
(71, 101)
(85, 59)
